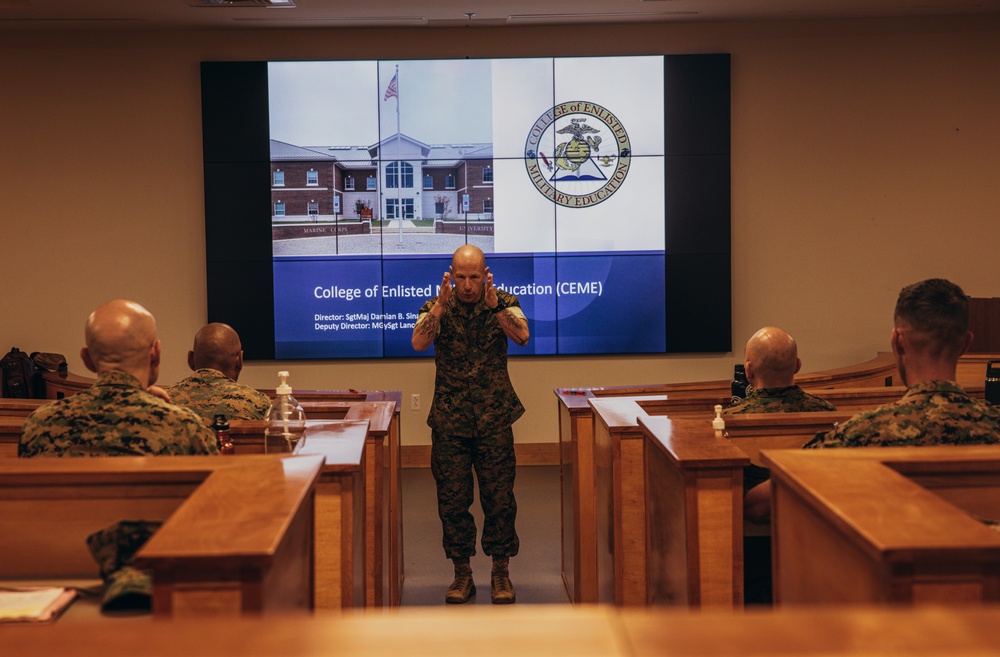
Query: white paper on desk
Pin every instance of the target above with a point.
(32, 604)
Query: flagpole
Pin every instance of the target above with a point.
(399, 165)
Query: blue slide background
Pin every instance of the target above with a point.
(594, 303)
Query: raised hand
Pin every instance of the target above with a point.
(446, 289)
(490, 292)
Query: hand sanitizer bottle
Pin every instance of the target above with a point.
(718, 423)
(286, 421)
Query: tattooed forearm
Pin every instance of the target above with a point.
(425, 331)
(511, 320)
(429, 327)
(515, 326)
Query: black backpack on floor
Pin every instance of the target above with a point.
(18, 375)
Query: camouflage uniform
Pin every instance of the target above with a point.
(114, 549)
(930, 413)
(114, 417)
(209, 392)
(787, 399)
(471, 416)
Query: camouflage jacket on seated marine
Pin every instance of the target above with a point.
(114, 417)
(786, 399)
(929, 413)
(209, 392)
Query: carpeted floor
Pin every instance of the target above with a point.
(535, 571)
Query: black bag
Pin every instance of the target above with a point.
(18, 375)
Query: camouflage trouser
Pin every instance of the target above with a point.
(453, 459)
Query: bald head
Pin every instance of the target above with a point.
(468, 273)
(469, 256)
(772, 358)
(121, 336)
(217, 346)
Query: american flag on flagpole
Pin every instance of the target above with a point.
(391, 90)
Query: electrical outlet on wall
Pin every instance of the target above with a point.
(414, 402)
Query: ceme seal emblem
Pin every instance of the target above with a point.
(577, 154)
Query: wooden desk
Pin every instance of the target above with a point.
(577, 497)
(619, 491)
(385, 505)
(524, 630)
(887, 524)
(382, 489)
(536, 631)
(753, 432)
(576, 453)
(384, 572)
(237, 537)
(701, 406)
(384, 462)
(19, 407)
(65, 384)
(816, 631)
(611, 463)
(10, 435)
(584, 559)
(577, 448)
(972, 369)
(694, 514)
(879, 371)
(382, 410)
(341, 542)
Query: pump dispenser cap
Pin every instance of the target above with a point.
(718, 423)
(283, 387)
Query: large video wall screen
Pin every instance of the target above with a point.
(598, 188)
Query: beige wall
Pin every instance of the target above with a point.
(865, 156)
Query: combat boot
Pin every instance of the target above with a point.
(463, 587)
(501, 590)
